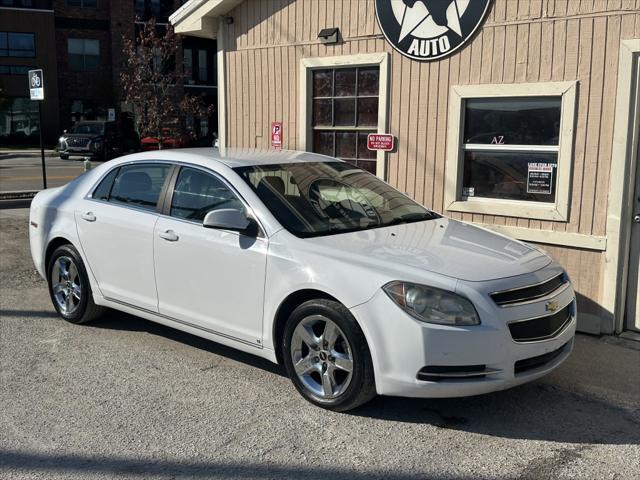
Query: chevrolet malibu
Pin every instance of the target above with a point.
(307, 261)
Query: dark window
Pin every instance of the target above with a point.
(512, 121)
(84, 54)
(511, 148)
(15, 69)
(158, 9)
(88, 128)
(18, 120)
(82, 3)
(139, 185)
(14, 44)
(35, 4)
(344, 111)
(103, 190)
(196, 193)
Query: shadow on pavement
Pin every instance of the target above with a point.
(543, 410)
(535, 411)
(147, 468)
(115, 320)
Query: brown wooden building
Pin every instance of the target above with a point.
(524, 119)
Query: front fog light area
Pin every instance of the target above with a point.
(432, 305)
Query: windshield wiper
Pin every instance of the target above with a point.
(411, 218)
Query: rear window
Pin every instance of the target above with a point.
(137, 185)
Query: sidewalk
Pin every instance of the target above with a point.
(7, 153)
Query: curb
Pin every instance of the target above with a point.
(21, 195)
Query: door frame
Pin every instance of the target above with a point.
(623, 165)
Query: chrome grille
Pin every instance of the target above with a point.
(542, 328)
(77, 142)
(530, 293)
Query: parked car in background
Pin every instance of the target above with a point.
(99, 140)
(170, 139)
(307, 261)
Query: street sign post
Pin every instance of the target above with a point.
(36, 92)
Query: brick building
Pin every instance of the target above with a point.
(79, 44)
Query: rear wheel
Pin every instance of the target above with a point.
(69, 286)
(327, 356)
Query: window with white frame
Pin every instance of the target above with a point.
(511, 152)
(343, 99)
(511, 148)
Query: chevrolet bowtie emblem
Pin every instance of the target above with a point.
(551, 306)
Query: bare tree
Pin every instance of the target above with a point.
(152, 82)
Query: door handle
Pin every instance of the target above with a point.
(169, 236)
(89, 217)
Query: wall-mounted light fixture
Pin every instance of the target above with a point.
(329, 35)
(228, 20)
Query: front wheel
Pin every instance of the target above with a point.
(327, 357)
(69, 286)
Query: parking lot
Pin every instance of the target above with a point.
(126, 398)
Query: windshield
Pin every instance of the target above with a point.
(88, 128)
(322, 198)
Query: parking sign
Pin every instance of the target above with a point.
(36, 84)
(276, 135)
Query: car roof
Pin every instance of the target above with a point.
(232, 157)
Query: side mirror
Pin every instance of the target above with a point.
(230, 219)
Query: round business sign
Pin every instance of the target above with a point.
(428, 30)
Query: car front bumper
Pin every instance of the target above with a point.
(402, 346)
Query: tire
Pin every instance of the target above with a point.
(64, 156)
(72, 298)
(334, 368)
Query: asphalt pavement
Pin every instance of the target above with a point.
(20, 171)
(127, 398)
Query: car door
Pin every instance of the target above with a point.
(213, 279)
(115, 225)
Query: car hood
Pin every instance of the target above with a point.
(443, 246)
(81, 135)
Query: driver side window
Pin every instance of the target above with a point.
(197, 193)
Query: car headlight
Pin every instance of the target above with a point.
(432, 305)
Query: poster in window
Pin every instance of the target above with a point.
(540, 178)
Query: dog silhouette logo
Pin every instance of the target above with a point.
(427, 30)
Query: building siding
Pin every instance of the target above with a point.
(520, 41)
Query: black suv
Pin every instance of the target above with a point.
(99, 140)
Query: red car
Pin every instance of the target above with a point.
(170, 139)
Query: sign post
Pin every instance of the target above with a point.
(36, 92)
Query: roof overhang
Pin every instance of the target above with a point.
(199, 18)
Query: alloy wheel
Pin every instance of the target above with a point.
(65, 285)
(322, 357)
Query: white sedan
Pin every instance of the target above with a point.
(308, 261)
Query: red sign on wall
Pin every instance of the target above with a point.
(380, 141)
(276, 135)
